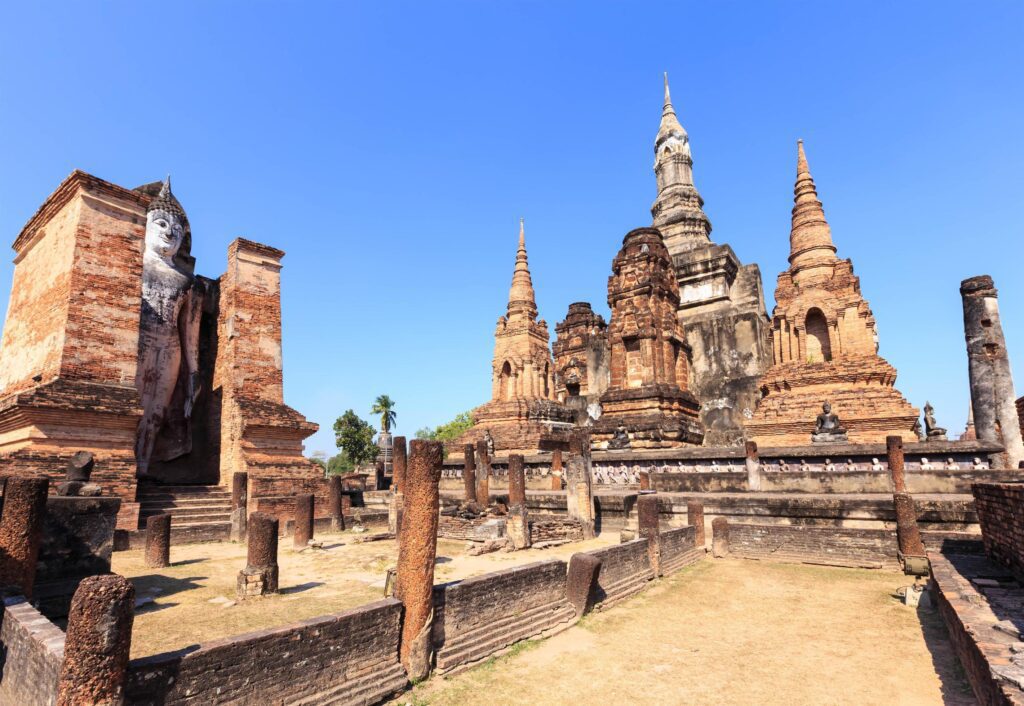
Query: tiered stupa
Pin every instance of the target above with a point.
(824, 343)
(522, 416)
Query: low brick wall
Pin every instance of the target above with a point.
(625, 570)
(349, 657)
(679, 548)
(833, 546)
(479, 616)
(553, 529)
(1000, 508)
(32, 655)
(477, 529)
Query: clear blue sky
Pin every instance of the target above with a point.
(391, 148)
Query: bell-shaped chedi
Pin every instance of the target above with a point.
(647, 404)
(522, 416)
(824, 343)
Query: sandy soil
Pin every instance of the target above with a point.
(192, 601)
(733, 632)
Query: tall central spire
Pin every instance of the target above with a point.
(521, 299)
(811, 250)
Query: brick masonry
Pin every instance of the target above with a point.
(33, 651)
(679, 549)
(1000, 508)
(625, 570)
(833, 546)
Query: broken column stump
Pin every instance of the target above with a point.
(335, 504)
(908, 536)
(158, 541)
(398, 463)
(517, 524)
(303, 521)
(21, 532)
(239, 505)
(483, 474)
(894, 454)
(695, 518)
(720, 537)
(649, 528)
(417, 551)
(98, 642)
(579, 493)
(581, 582)
(260, 575)
(469, 474)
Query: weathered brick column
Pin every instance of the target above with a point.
(988, 365)
(517, 523)
(21, 531)
(239, 505)
(753, 463)
(645, 480)
(579, 494)
(650, 528)
(556, 469)
(396, 510)
(417, 550)
(98, 642)
(720, 537)
(398, 463)
(483, 474)
(907, 534)
(335, 504)
(894, 454)
(581, 581)
(303, 521)
(469, 474)
(158, 541)
(260, 575)
(695, 518)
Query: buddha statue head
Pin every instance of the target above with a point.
(167, 228)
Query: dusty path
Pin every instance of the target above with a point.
(732, 632)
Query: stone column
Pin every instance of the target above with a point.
(158, 541)
(695, 518)
(649, 528)
(556, 469)
(894, 453)
(98, 642)
(581, 581)
(517, 523)
(720, 537)
(335, 504)
(21, 531)
(645, 480)
(239, 505)
(417, 550)
(398, 463)
(483, 474)
(988, 365)
(579, 495)
(303, 521)
(753, 463)
(907, 534)
(260, 575)
(469, 474)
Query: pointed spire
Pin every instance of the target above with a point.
(670, 126)
(810, 238)
(521, 299)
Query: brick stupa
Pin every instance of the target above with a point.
(824, 343)
(522, 416)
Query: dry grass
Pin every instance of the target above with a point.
(733, 632)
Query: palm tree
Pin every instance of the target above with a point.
(385, 407)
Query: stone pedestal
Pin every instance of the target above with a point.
(581, 582)
(260, 575)
(21, 529)
(158, 541)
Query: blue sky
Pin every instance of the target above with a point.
(390, 149)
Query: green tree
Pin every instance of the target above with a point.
(340, 463)
(385, 407)
(355, 438)
(449, 431)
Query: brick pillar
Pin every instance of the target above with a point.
(239, 505)
(753, 463)
(907, 534)
(695, 518)
(417, 551)
(556, 469)
(21, 531)
(335, 504)
(649, 528)
(469, 474)
(97, 642)
(518, 522)
(260, 575)
(483, 474)
(894, 453)
(720, 537)
(581, 581)
(396, 511)
(303, 521)
(645, 480)
(579, 494)
(398, 463)
(158, 541)
(988, 365)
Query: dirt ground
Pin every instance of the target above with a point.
(731, 632)
(193, 600)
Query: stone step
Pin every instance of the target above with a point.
(185, 507)
(195, 519)
(213, 494)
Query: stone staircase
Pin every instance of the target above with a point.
(199, 512)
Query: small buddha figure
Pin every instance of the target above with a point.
(952, 465)
(621, 438)
(826, 427)
(829, 466)
(934, 431)
(875, 465)
(804, 466)
(979, 465)
(926, 465)
(850, 465)
(169, 325)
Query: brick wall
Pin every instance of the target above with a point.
(33, 652)
(1000, 508)
(555, 529)
(625, 570)
(479, 616)
(349, 657)
(834, 546)
(679, 548)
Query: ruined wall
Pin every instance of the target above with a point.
(1000, 508)
(32, 655)
(348, 657)
(625, 570)
(869, 548)
(679, 549)
(478, 616)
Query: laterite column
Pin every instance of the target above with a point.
(579, 494)
(158, 541)
(649, 528)
(894, 454)
(21, 531)
(335, 504)
(303, 521)
(483, 474)
(469, 474)
(396, 503)
(260, 575)
(239, 505)
(695, 518)
(398, 463)
(517, 523)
